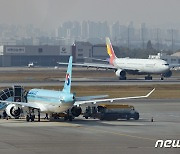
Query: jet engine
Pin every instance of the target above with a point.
(121, 74)
(167, 74)
(13, 110)
(76, 111)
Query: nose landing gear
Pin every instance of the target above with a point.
(31, 116)
(162, 77)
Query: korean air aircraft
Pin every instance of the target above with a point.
(55, 102)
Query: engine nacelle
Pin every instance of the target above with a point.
(76, 111)
(121, 73)
(13, 110)
(167, 74)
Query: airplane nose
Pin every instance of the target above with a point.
(166, 68)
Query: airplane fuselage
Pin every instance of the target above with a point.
(142, 66)
(50, 101)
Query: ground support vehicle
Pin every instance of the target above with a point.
(111, 112)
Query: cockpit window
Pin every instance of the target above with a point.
(166, 64)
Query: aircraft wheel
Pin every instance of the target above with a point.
(148, 77)
(136, 116)
(65, 118)
(70, 118)
(27, 118)
(122, 78)
(32, 118)
(127, 117)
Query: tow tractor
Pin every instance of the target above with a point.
(111, 112)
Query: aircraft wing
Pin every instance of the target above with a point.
(104, 60)
(93, 65)
(112, 99)
(85, 98)
(102, 66)
(23, 104)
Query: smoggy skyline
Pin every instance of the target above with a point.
(52, 13)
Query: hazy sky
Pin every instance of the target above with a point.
(51, 13)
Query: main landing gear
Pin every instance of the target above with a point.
(68, 116)
(162, 77)
(148, 77)
(122, 78)
(30, 117)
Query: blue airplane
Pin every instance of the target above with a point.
(55, 102)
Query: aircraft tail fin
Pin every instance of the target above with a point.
(67, 83)
(110, 51)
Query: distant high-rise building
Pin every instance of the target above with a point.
(84, 31)
(115, 34)
(93, 29)
(75, 30)
(105, 30)
(144, 34)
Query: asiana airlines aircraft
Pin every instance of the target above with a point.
(134, 66)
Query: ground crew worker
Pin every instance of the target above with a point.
(4, 114)
(46, 117)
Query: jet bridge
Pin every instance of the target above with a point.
(19, 94)
(15, 93)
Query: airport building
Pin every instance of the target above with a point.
(85, 49)
(100, 51)
(171, 59)
(81, 50)
(49, 55)
(42, 55)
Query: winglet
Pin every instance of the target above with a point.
(67, 83)
(110, 51)
(150, 93)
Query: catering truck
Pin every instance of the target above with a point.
(111, 112)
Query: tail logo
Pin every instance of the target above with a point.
(67, 79)
(109, 50)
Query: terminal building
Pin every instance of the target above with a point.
(100, 52)
(81, 50)
(49, 55)
(44, 55)
(171, 59)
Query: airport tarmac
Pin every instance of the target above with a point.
(95, 136)
(52, 77)
(89, 82)
(90, 136)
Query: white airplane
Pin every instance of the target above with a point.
(31, 65)
(130, 65)
(137, 66)
(54, 102)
